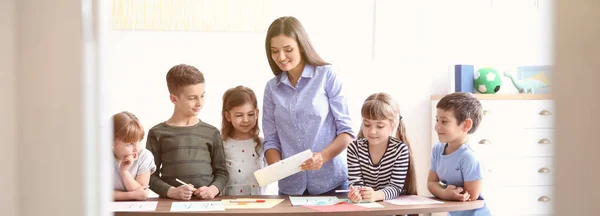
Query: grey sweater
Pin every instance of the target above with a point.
(193, 154)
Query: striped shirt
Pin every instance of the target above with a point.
(388, 175)
(194, 154)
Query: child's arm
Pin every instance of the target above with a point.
(156, 183)
(433, 181)
(146, 167)
(220, 173)
(451, 192)
(399, 171)
(434, 187)
(473, 188)
(354, 171)
(122, 195)
(472, 174)
(131, 183)
(272, 144)
(140, 193)
(143, 179)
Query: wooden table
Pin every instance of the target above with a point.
(286, 208)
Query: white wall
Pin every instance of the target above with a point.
(8, 161)
(577, 53)
(414, 45)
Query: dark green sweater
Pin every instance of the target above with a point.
(193, 154)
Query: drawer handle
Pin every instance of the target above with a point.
(545, 113)
(544, 199)
(485, 113)
(544, 170)
(544, 141)
(485, 142)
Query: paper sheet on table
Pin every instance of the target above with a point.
(364, 204)
(369, 205)
(281, 169)
(314, 201)
(151, 194)
(269, 203)
(197, 206)
(337, 207)
(412, 200)
(134, 206)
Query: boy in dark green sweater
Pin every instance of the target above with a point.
(188, 149)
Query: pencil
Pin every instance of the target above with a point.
(183, 183)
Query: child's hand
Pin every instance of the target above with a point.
(457, 193)
(183, 192)
(126, 163)
(367, 194)
(314, 163)
(354, 194)
(140, 194)
(207, 192)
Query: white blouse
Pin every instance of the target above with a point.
(242, 161)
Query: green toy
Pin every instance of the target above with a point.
(526, 86)
(487, 80)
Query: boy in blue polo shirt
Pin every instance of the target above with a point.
(455, 172)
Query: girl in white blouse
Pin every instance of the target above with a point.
(243, 146)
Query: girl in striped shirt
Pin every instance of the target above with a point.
(382, 163)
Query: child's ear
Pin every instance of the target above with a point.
(467, 124)
(227, 116)
(173, 98)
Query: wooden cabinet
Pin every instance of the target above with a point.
(515, 144)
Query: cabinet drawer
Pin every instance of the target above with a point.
(525, 200)
(496, 115)
(518, 114)
(514, 144)
(537, 113)
(528, 143)
(538, 142)
(498, 107)
(523, 171)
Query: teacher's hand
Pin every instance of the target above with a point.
(314, 163)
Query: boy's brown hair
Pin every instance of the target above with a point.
(464, 105)
(183, 75)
